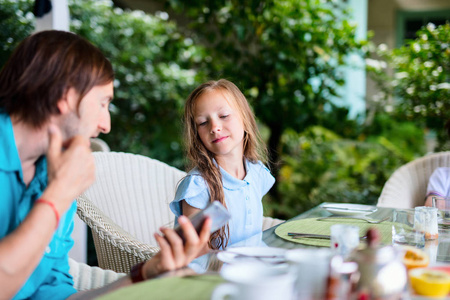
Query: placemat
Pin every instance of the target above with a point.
(323, 227)
(195, 287)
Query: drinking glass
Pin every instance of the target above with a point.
(403, 229)
(443, 206)
(426, 221)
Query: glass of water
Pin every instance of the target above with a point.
(443, 206)
(426, 221)
(404, 230)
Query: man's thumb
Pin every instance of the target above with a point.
(55, 141)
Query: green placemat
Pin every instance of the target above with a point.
(323, 227)
(189, 288)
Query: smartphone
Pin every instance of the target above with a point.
(215, 211)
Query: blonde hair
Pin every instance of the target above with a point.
(199, 156)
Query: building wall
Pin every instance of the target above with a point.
(421, 5)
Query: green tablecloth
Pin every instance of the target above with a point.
(188, 288)
(323, 227)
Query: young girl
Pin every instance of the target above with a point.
(225, 151)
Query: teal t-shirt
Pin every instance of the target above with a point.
(51, 278)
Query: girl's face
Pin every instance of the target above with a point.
(219, 125)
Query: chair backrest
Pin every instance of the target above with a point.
(134, 191)
(406, 188)
(99, 145)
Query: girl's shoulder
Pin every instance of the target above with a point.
(193, 178)
(260, 175)
(259, 171)
(191, 185)
(193, 189)
(257, 166)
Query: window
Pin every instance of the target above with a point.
(409, 22)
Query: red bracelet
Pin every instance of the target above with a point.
(43, 201)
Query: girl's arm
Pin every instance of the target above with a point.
(188, 211)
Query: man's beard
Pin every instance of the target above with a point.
(69, 126)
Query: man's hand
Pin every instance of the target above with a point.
(70, 171)
(174, 254)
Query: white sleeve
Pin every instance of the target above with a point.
(439, 183)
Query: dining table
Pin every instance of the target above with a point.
(202, 276)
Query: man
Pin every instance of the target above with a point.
(54, 95)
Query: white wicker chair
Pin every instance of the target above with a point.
(86, 277)
(128, 202)
(406, 188)
(99, 145)
(269, 222)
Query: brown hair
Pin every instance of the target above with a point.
(200, 157)
(42, 69)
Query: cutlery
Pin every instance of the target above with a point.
(296, 235)
(356, 218)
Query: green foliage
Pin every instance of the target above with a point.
(154, 74)
(321, 166)
(284, 55)
(403, 138)
(420, 81)
(16, 23)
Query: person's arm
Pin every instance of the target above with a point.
(173, 255)
(70, 173)
(188, 211)
(428, 200)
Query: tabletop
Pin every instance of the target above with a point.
(440, 249)
(198, 281)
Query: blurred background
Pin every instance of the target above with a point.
(345, 92)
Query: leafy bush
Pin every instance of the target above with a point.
(154, 71)
(420, 80)
(321, 166)
(16, 23)
(286, 56)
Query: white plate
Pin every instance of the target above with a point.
(262, 254)
(347, 209)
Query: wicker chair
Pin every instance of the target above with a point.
(79, 234)
(124, 207)
(406, 188)
(86, 277)
(269, 222)
(99, 145)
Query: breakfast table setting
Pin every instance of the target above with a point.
(333, 251)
